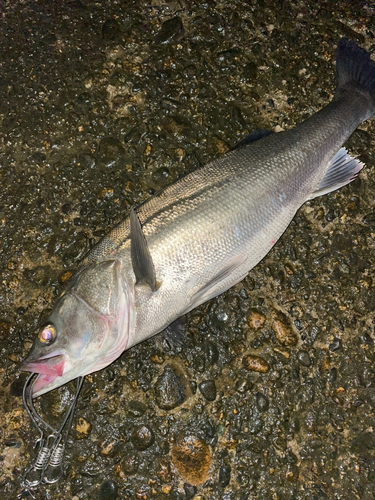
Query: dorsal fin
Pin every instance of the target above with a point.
(143, 266)
(255, 135)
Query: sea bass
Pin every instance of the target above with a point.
(201, 235)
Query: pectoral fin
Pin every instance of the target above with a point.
(218, 284)
(143, 266)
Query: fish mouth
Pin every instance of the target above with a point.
(48, 369)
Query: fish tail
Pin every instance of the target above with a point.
(355, 71)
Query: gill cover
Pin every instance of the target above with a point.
(86, 331)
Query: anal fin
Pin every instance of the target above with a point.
(143, 266)
(342, 170)
(174, 334)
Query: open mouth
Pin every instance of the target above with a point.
(48, 369)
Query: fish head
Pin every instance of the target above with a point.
(87, 329)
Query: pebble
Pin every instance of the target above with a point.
(262, 402)
(208, 389)
(65, 276)
(164, 470)
(221, 146)
(157, 359)
(256, 426)
(243, 385)
(110, 153)
(212, 353)
(191, 456)
(255, 319)
(142, 437)
(130, 463)
(332, 375)
(170, 389)
(136, 408)
(161, 176)
(66, 208)
(255, 364)
(335, 345)
(304, 358)
(83, 428)
(170, 30)
(283, 329)
(190, 491)
(177, 126)
(369, 219)
(15, 358)
(108, 491)
(11, 441)
(108, 449)
(237, 117)
(224, 475)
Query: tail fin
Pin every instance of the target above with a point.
(355, 68)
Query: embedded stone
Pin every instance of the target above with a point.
(110, 153)
(108, 491)
(129, 464)
(283, 329)
(136, 408)
(255, 364)
(208, 389)
(142, 437)
(170, 388)
(212, 353)
(83, 428)
(164, 470)
(262, 402)
(191, 456)
(255, 319)
(304, 358)
(190, 491)
(5, 329)
(224, 475)
(172, 29)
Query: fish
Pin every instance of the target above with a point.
(200, 235)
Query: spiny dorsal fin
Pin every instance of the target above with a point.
(255, 135)
(143, 266)
(341, 170)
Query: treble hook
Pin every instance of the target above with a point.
(55, 462)
(32, 476)
(48, 465)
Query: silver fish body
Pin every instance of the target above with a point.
(204, 233)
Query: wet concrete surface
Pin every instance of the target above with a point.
(102, 104)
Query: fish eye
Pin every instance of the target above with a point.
(47, 334)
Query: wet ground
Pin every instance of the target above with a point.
(102, 104)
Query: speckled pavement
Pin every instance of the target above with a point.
(102, 104)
